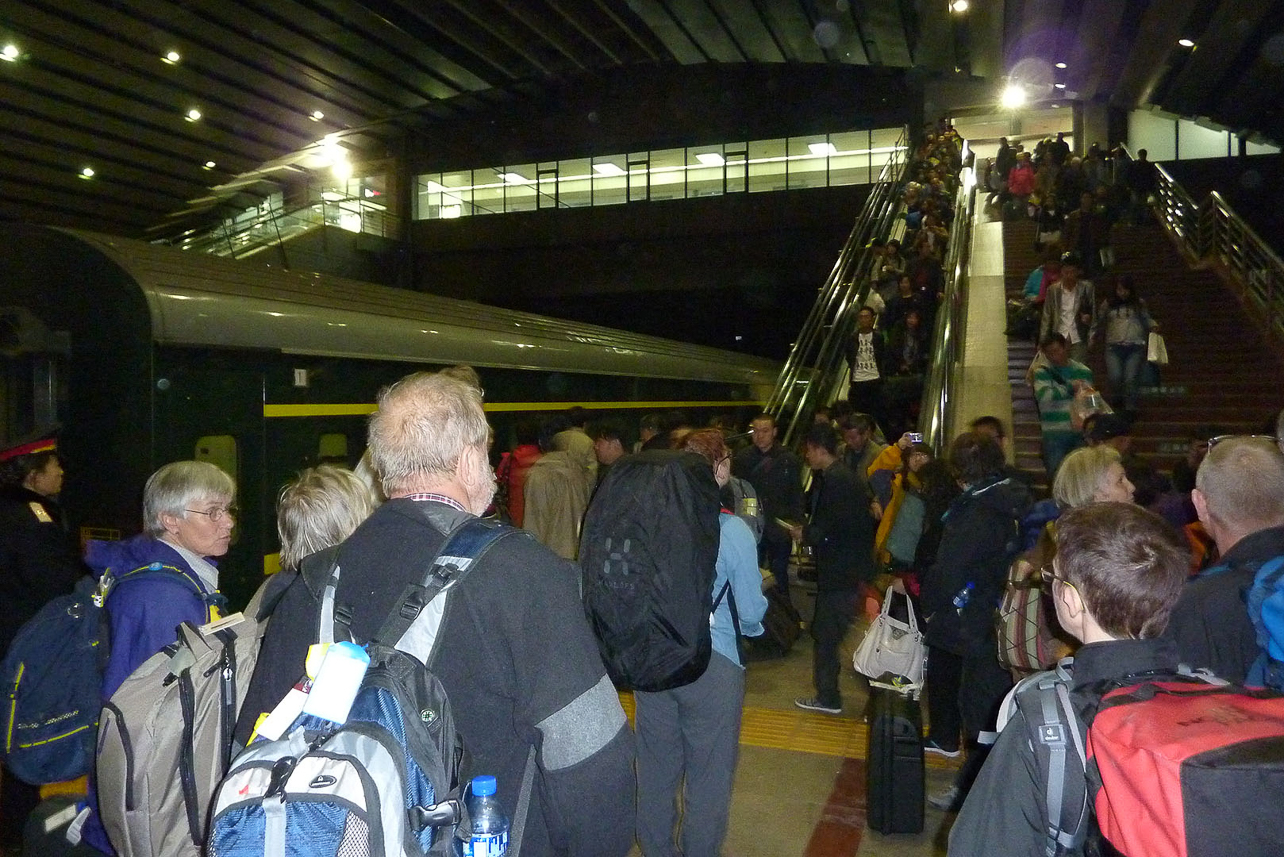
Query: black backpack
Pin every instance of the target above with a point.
(649, 551)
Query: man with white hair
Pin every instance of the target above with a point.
(1239, 495)
(515, 653)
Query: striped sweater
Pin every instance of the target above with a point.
(1054, 388)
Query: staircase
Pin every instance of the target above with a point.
(1223, 378)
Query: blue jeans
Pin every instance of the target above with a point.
(1123, 365)
(1056, 446)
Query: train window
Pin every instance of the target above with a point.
(219, 450)
(333, 449)
(33, 386)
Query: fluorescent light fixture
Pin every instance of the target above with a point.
(959, 6)
(10, 52)
(822, 148)
(608, 169)
(1059, 85)
(1013, 96)
(1186, 43)
(209, 165)
(711, 159)
(514, 178)
(435, 187)
(317, 116)
(1061, 65)
(450, 212)
(193, 115)
(87, 173)
(171, 57)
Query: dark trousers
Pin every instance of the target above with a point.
(774, 552)
(982, 685)
(866, 397)
(944, 673)
(834, 612)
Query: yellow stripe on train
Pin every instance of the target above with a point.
(358, 410)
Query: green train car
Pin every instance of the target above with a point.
(146, 354)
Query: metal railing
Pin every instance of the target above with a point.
(936, 420)
(274, 226)
(1211, 231)
(817, 361)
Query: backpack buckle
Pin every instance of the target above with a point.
(280, 774)
(448, 812)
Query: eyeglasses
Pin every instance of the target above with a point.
(218, 515)
(1213, 441)
(1048, 574)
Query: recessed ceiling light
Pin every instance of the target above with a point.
(87, 173)
(193, 115)
(171, 57)
(958, 6)
(317, 116)
(209, 165)
(711, 159)
(608, 169)
(1186, 43)
(822, 148)
(10, 53)
(1059, 85)
(1061, 65)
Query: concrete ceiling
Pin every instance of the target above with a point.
(89, 85)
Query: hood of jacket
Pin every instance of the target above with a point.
(132, 553)
(1005, 495)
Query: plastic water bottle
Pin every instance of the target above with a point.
(962, 597)
(337, 682)
(489, 836)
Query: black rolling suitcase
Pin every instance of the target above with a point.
(894, 764)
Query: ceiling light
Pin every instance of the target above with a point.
(1186, 43)
(209, 165)
(1061, 65)
(1059, 85)
(434, 187)
(608, 169)
(711, 159)
(822, 148)
(9, 53)
(87, 173)
(193, 115)
(514, 178)
(1013, 96)
(317, 116)
(171, 57)
(958, 6)
(342, 169)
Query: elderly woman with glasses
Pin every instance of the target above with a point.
(165, 575)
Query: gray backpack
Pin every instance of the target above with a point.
(165, 736)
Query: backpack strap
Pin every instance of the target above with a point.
(1264, 608)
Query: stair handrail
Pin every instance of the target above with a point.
(936, 420)
(1212, 231)
(816, 364)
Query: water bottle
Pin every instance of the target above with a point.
(489, 836)
(961, 599)
(337, 682)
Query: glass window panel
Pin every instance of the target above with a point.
(547, 190)
(766, 165)
(639, 166)
(737, 155)
(704, 171)
(610, 180)
(428, 196)
(1196, 141)
(575, 183)
(849, 163)
(668, 174)
(519, 187)
(1260, 148)
(808, 161)
(456, 194)
(1155, 133)
(487, 192)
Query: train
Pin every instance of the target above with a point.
(145, 354)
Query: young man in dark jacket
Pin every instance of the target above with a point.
(841, 532)
(1118, 571)
(776, 475)
(981, 536)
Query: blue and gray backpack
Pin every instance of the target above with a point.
(388, 780)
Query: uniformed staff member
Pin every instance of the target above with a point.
(38, 561)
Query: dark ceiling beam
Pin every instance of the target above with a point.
(106, 204)
(745, 23)
(1201, 83)
(671, 32)
(210, 43)
(792, 29)
(441, 25)
(885, 27)
(1163, 23)
(561, 42)
(111, 182)
(491, 22)
(15, 144)
(1253, 101)
(578, 20)
(835, 33)
(703, 24)
(933, 48)
(1104, 24)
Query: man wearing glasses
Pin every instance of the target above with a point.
(1118, 571)
(1239, 495)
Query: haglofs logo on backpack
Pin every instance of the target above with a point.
(648, 552)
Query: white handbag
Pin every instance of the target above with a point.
(1156, 350)
(891, 646)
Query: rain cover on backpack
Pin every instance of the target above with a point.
(649, 552)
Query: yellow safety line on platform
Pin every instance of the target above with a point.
(360, 410)
(803, 732)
